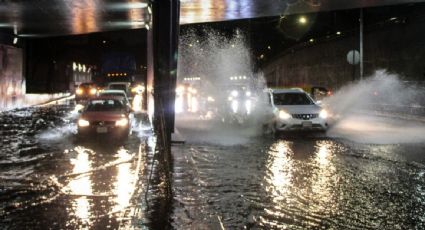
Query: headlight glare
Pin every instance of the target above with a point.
(83, 123)
(323, 114)
(122, 122)
(284, 115)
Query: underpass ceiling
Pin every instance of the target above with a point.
(69, 17)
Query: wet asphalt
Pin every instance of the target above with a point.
(221, 179)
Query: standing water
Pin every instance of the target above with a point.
(368, 174)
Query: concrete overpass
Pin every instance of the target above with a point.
(25, 20)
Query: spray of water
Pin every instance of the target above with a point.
(221, 62)
(381, 109)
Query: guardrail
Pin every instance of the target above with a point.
(413, 109)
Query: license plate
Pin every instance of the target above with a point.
(102, 130)
(307, 124)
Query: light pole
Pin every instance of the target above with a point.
(361, 43)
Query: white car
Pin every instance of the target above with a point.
(295, 110)
(116, 93)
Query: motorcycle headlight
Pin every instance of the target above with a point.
(122, 122)
(284, 115)
(235, 106)
(248, 106)
(83, 123)
(323, 114)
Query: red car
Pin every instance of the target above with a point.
(105, 116)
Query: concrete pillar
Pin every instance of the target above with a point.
(164, 40)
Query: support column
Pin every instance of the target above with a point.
(165, 34)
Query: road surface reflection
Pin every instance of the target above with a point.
(51, 180)
(298, 183)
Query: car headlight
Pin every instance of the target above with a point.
(284, 115)
(323, 114)
(93, 91)
(234, 93)
(79, 91)
(122, 122)
(83, 123)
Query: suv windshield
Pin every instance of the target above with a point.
(291, 99)
(104, 105)
(113, 94)
(120, 87)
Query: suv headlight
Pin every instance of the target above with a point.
(284, 115)
(122, 122)
(83, 123)
(323, 114)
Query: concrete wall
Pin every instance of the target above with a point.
(397, 47)
(12, 81)
(12, 84)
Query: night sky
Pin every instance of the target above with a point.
(270, 36)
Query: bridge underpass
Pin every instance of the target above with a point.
(207, 177)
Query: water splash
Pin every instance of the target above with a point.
(381, 109)
(223, 63)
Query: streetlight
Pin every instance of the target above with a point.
(302, 20)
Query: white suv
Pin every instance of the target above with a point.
(295, 110)
(124, 86)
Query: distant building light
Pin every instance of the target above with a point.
(74, 66)
(190, 45)
(269, 47)
(15, 40)
(393, 18)
(147, 26)
(244, 77)
(311, 40)
(261, 56)
(104, 42)
(338, 33)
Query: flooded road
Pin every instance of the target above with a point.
(49, 180)
(223, 178)
(296, 183)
